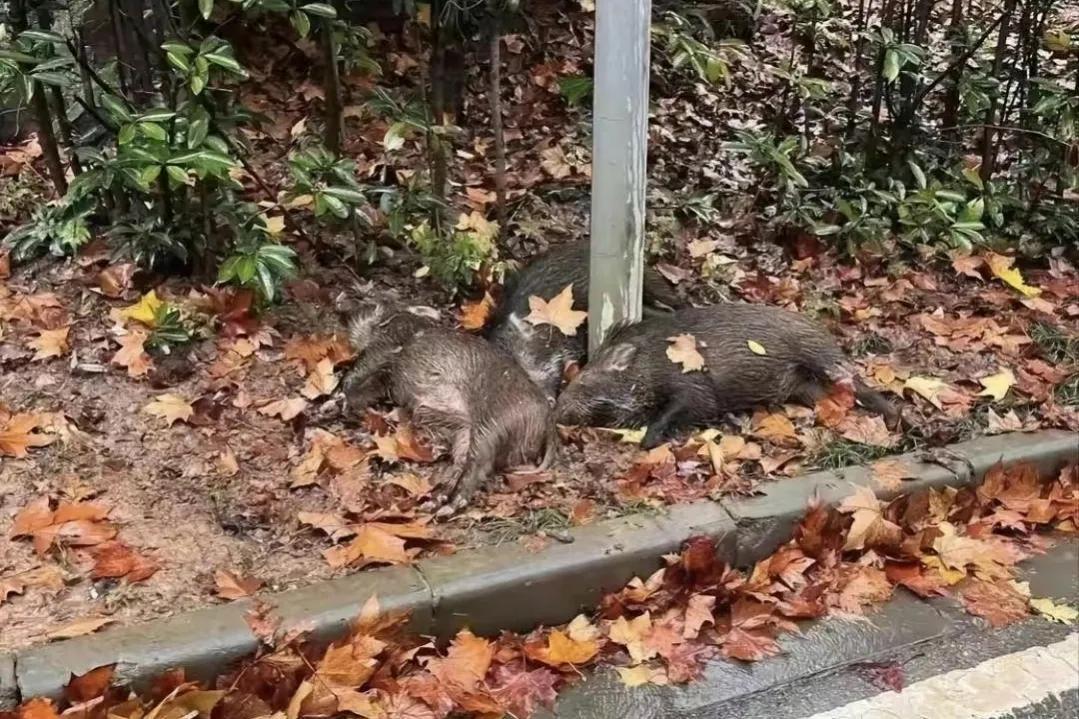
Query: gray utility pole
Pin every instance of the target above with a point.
(619, 164)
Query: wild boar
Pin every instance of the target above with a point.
(632, 382)
(542, 350)
(455, 386)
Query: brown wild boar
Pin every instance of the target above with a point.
(453, 385)
(542, 350)
(632, 382)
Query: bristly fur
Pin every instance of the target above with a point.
(361, 328)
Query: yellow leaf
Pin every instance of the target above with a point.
(274, 225)
(1057, 612)
(1001, 267)
(683, 351)
(145, 310)
(558, 312)
(928, 387)
(997, 385)
(756, 348)
(642, 674)
(629, 436)
(300, 201)
(171, 408)
(484, 229)
(950, 576)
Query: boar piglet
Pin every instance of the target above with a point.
(542, 350)
(455, 386)
(632, 382)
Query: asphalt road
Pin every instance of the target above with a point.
(951, 665)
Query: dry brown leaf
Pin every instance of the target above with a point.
(888, 474)
(49, 343)
(229, 585)
(683, 351)
(775, 427)
(558, 312)
(114, 281)
(170, 407)
(286, 409)
(131, 355)
(79, 627)
(371, 545)
(18, 433)
(870, 528)
(321, 381)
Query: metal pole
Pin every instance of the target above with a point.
(619, 164)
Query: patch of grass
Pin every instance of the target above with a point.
(1067, 392)
(510, 529)
(870, 344)
(1056, 344)
(845, 453)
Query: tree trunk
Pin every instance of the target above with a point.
(332, 89)
(437, 73)
(495, 98)
(40, 103)
(864, 7)
(989, 148)
(950, 118)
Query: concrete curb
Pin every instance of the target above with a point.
(503, 587)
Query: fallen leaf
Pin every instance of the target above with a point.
(997, 385)
(227, 465)
(49, 343)
(132, 354)
(867, 430)
(775, 428)
(18, 433)
(1056, 612)
(145, 310)
(90, 685)
(229, 585)
(699, 610)
(641, 674)
(321, 381)
(36, 708)
(286, 409)
(466, 662)
(633, 635)
(79, 627)
(927, 387)
(560, 649)
(116, 560)
(558, 312)
(371, 544)
(968, 265)
(888, 474)
(749, 645)
(170, 407)
(114, 281)
(1001, 267)
(870, 528)
(756, 348)
(36, 515)
(997, 602)
(522, 692)
(683, 351)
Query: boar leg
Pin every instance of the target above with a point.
(676, 413)
(459, 451)
(480, 466)
(874, 401)
(808, 392)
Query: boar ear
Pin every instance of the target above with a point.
(521, 325)
(619, 357)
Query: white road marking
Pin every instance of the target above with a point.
(990, 689)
